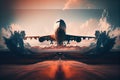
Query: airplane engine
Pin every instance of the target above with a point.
(78, 39)
(41, 39)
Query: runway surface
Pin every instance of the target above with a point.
(59, 70)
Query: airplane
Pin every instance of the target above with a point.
(59, 35)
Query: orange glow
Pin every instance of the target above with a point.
(77, 4)
(52, 69)
(59, 70)
(67, 69)
(39, 4)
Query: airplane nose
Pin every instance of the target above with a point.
(57, 21)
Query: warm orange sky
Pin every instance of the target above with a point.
(40, 4)
(59, 4)
(53, 4)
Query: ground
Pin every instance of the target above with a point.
(71, 64)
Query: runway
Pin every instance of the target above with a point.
(59, 70)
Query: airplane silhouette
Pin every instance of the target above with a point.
(60, 35)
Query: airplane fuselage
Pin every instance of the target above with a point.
(60, 32)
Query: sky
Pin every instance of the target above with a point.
(61, 4)
(37, 17)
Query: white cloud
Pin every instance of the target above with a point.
(77, 4)
(89, 27)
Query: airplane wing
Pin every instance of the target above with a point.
(77, 38)
(31, 37)
(41, 38)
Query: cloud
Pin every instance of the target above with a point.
(3, 32)
(89, 27)
(116, 32)
(103, 23)
(117, 45)
(6, 32)
(76, 4)
(2, 44)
